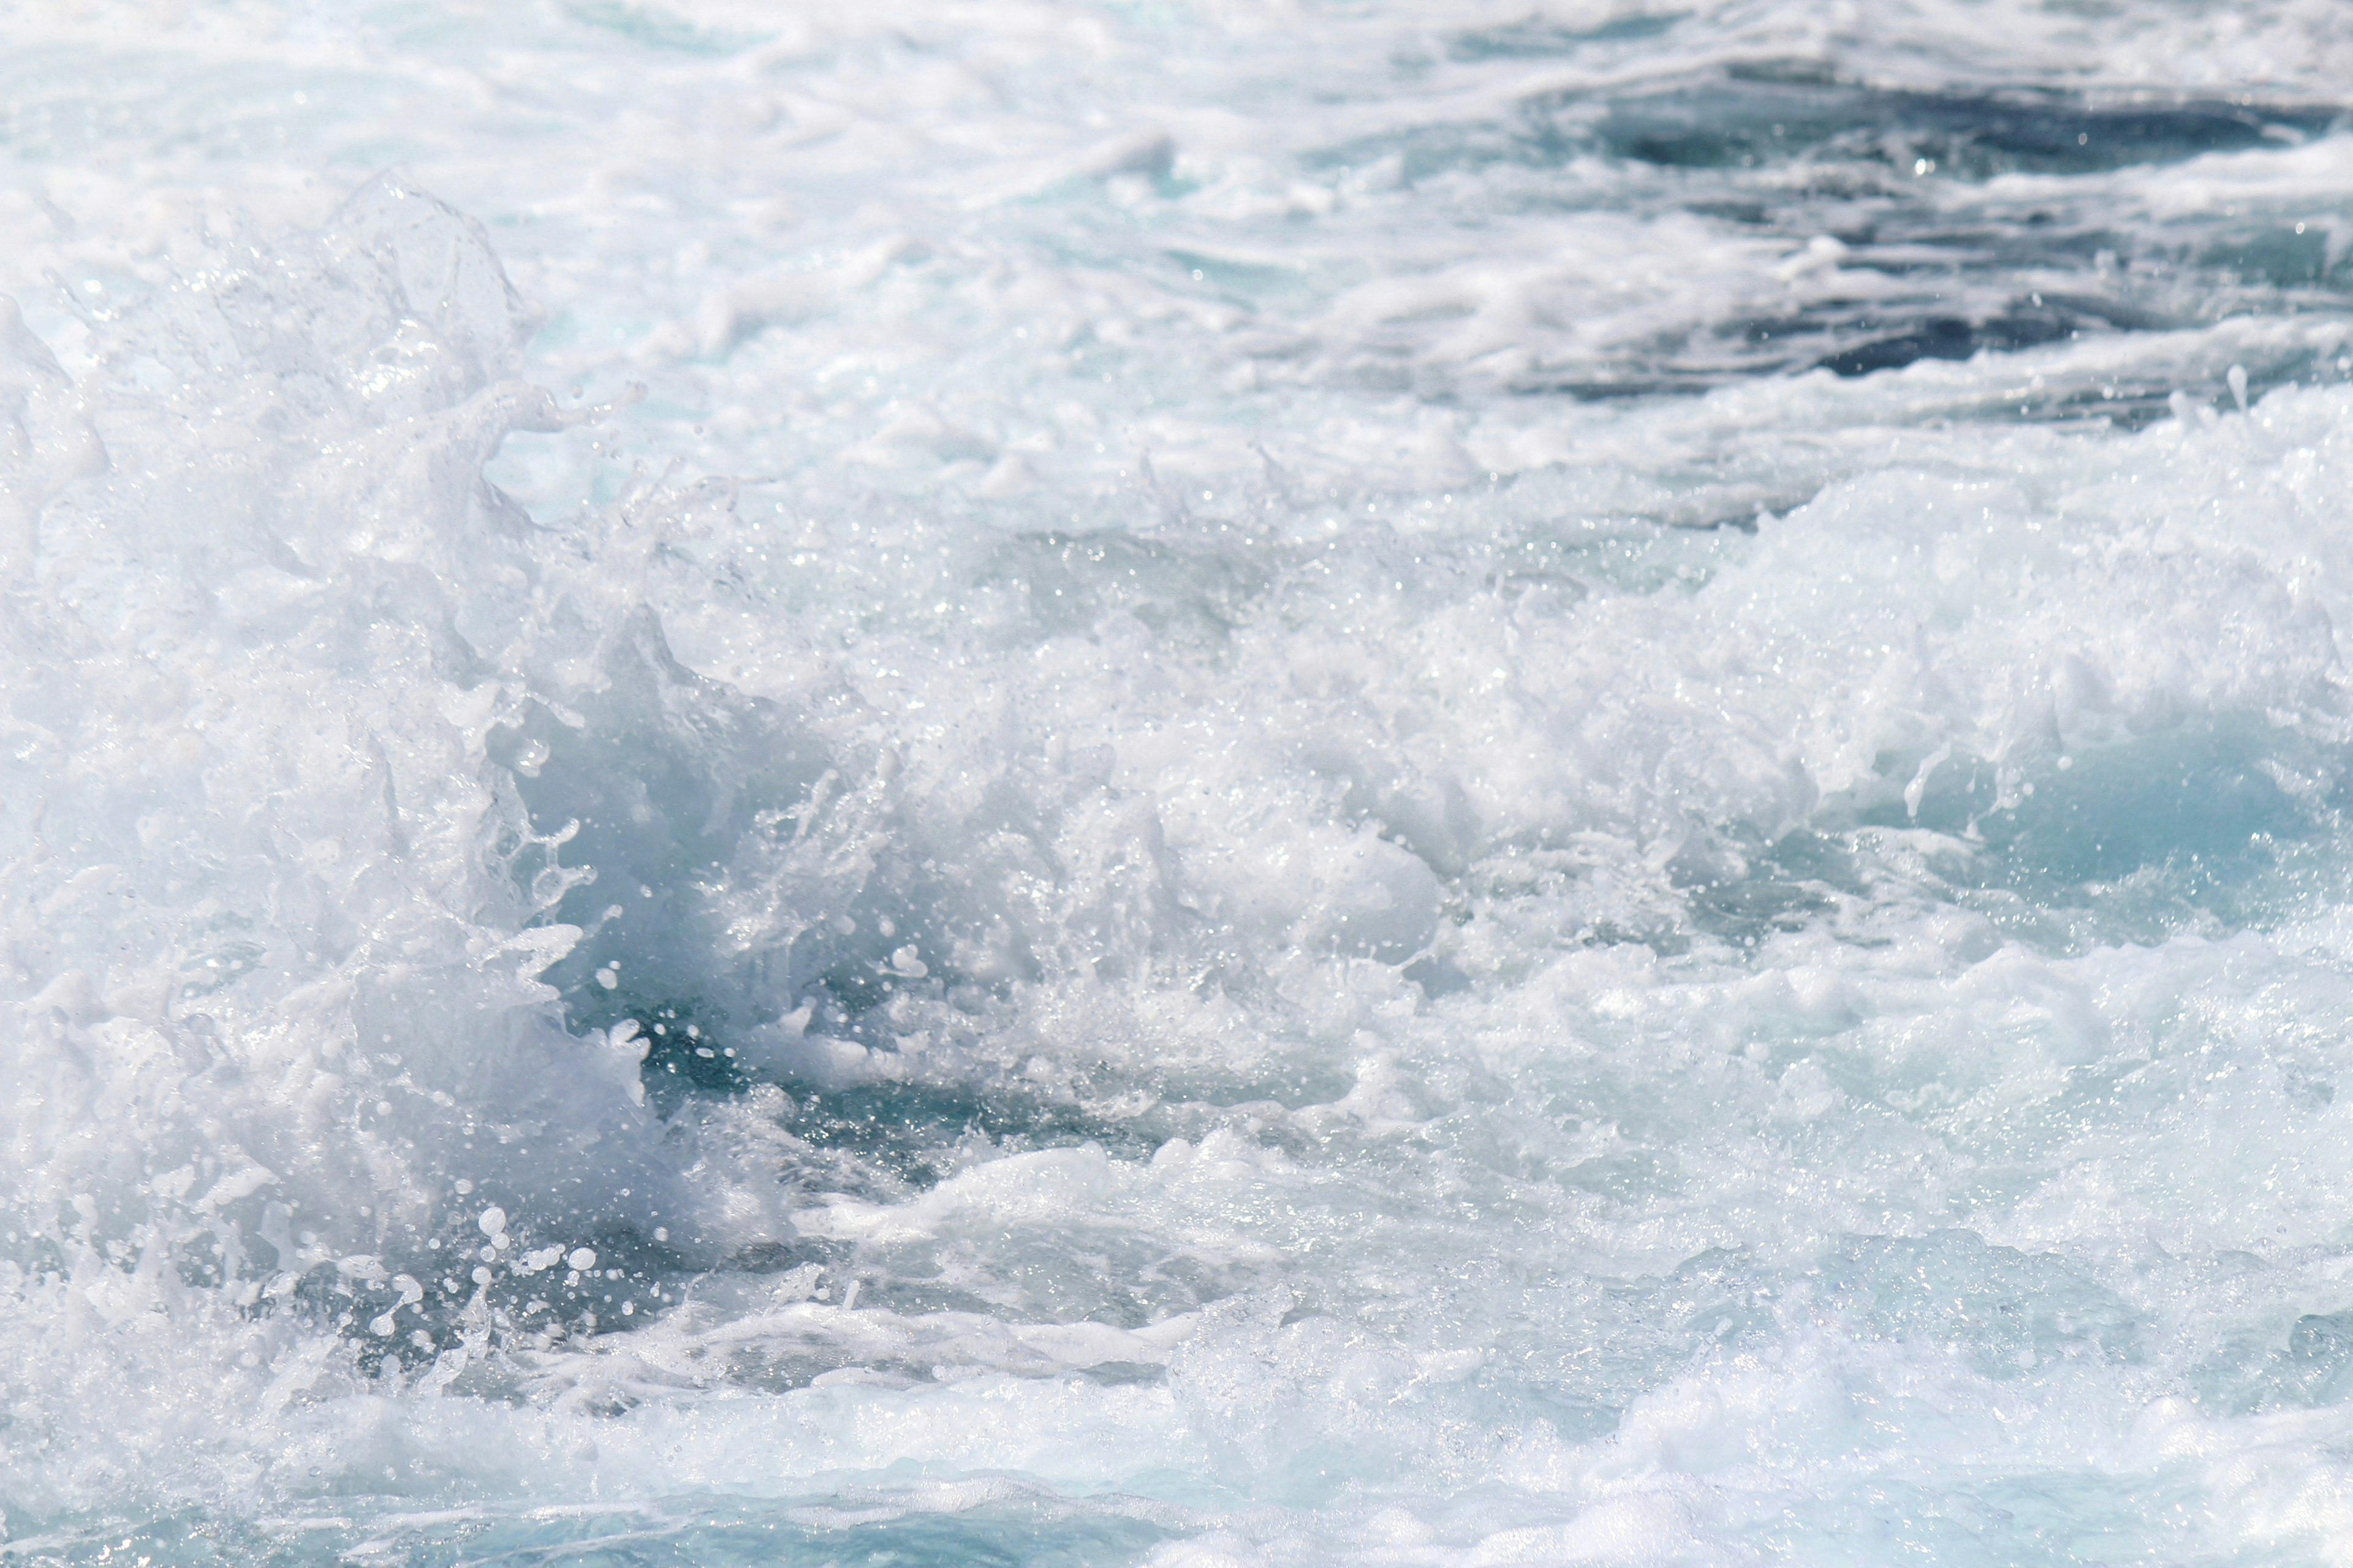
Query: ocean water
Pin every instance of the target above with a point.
(1299, 782)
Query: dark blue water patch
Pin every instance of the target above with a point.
(1963, 312)
(685, 1038)
(1899, 178)
(635, 1278)
(1984, 287)
(1952, 318)
(2018, 326)
(683, 1057)
(882, 1139)
(1769, 112)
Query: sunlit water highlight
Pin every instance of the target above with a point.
(1250, 783)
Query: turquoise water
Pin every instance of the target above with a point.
(1174, 784)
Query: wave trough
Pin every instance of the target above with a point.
(1253, 783)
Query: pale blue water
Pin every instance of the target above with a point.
(1175, 784)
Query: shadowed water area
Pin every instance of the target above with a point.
(1175, 786)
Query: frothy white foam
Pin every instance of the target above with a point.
(1104, 880)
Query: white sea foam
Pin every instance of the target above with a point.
(1151, 786)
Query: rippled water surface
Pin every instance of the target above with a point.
(1187, 785)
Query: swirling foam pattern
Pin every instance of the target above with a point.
(1181, 783)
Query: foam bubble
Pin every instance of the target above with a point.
(1218, 780)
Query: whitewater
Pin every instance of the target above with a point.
(1183, 783)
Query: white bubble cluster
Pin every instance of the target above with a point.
(1148, 784)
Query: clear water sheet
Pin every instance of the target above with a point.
(1174, 784)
